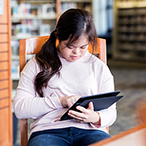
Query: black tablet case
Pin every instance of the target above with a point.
(100, 101)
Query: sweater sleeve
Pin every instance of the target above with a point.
(108, 116)
(26, 102)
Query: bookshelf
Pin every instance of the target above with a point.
(81, 4)
(30, 18)
(129, 41)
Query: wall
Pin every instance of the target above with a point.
(5, 75)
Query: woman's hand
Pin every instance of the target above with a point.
(68, 101)
(86, 115)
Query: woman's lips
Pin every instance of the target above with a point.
(74, 57)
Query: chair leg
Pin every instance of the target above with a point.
(24, 132)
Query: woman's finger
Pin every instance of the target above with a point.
(90, 106)
(77, 115)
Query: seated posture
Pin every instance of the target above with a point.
(57, 77)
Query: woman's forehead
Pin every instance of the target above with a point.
(81, 40)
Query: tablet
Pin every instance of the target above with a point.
(100, 102)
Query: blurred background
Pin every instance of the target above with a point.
(121, 22)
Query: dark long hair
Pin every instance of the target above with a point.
(71, 25)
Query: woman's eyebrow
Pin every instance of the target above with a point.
(80, 46)
(85, 45)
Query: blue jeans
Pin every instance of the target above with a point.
(66, 137)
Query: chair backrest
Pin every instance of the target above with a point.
(32, 46)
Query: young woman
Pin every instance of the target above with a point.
(57, 77)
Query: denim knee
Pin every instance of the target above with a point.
(46, 140)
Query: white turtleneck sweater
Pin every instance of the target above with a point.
(86, 76)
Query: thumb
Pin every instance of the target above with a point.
(90, 106)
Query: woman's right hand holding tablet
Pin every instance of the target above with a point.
(68, 101)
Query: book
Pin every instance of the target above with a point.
(100, 102)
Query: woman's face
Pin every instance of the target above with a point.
(74, 51)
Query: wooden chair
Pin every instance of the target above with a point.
(32, 46)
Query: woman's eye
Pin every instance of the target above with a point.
(70, 47)
(83, 47)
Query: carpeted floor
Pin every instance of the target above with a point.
(132, 83)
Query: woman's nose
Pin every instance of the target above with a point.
(76, 50)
